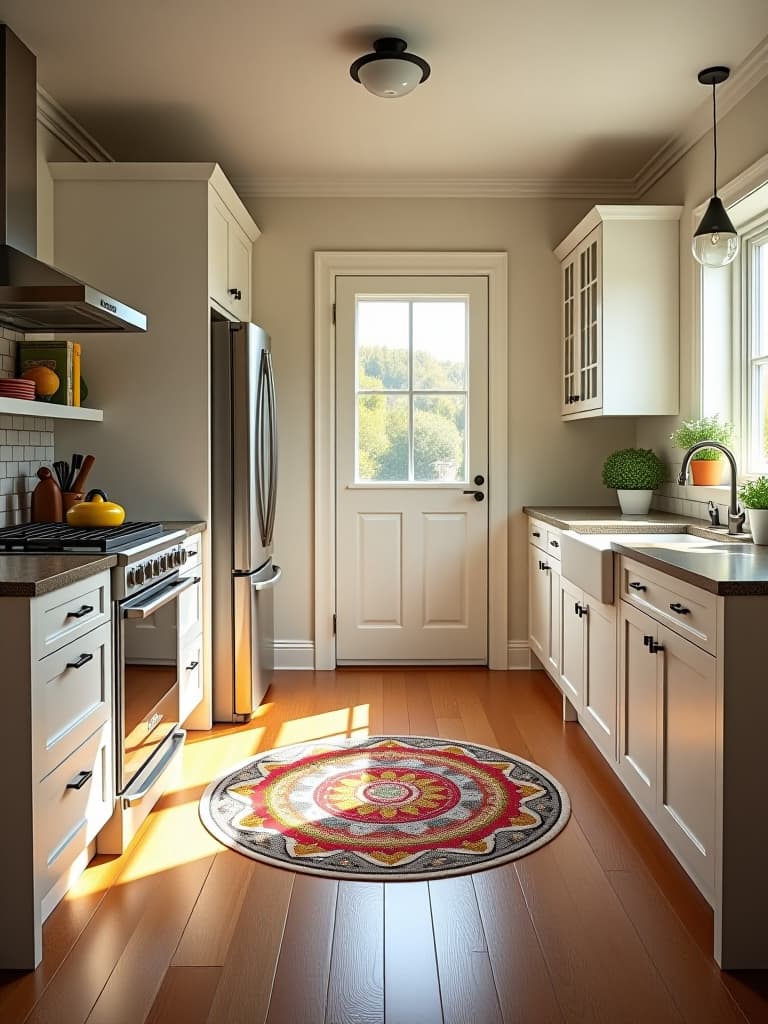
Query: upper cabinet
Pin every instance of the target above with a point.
(230, 240)
(619, 271)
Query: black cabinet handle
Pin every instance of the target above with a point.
(478, 495)
(637, 586)
(80, 781)
(235, 293)
(580, 609)
(647, 640)
(82, 660)
(679, 609)
(192, 665)
(83, 610)
(654, 648)
(535, 533)
(554, 544)
(545, 566)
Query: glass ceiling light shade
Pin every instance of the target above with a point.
(715, 242)
(389, 71)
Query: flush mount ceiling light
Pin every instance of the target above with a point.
(389, 71)
(715, 242)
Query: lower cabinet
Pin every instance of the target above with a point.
(667, 748)
(544, 608)
(572, 626)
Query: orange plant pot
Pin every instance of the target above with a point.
(707, 472)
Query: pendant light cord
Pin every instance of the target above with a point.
(714, 137)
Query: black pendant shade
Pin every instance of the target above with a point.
(715, 220)
(715, 242)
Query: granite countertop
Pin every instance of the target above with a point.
(23, 575)
(190, 527)
(739, 567)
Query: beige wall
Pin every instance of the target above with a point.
(549, 461)
(49, 148)
(742, 138)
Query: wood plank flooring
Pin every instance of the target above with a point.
(600, 925)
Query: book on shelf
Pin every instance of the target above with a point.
(63, 357)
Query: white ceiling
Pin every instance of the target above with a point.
(520, 89)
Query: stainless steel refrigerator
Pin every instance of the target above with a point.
(244, 493)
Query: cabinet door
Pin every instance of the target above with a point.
(218, 251)
(538, 605)
(686, 755)
(589, 327)
(555, 625)
(572, 659)
(600, 688)
(639, 670)
(239, 281)
(570, 369)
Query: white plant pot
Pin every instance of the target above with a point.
(635, 503)
(758, 524)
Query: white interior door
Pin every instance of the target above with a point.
(412, 469)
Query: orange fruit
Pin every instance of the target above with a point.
(46, 381)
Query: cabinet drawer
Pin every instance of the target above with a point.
(190, 678)
(192, 547)
(73, 696)
(553, 542)
(69, 817)
(687, 610)
(62, 616)
(537, 534)
(190, 610)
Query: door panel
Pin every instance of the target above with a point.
(572, 659)
(599, 718)
(411, 436)
(555, 625)
(639, 685)
(539, 597)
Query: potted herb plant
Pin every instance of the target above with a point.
(635, 473)
(754, 496)
(707, 463)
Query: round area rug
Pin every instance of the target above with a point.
(386, 808)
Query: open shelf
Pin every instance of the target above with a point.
(21, 407)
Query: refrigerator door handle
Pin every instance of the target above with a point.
(272, 409)
(261, 505)
(277, 572)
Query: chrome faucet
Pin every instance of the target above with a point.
(735, 515)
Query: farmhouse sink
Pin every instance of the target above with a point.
(587, 558)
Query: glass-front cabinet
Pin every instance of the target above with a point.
(582, 327)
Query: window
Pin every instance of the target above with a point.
(411, 389)
(754, 305)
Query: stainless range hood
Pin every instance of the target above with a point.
(34, 296)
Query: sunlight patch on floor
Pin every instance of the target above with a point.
(329, 725)
(175, 836)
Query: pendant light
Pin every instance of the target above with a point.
(389, 71)
(715, 243)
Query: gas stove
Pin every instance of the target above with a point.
(147, 552)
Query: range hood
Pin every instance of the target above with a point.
(35, 297)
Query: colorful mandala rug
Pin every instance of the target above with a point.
(385, 808)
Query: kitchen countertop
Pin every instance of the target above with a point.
(190, 527)
(23, 575)
(741, 569)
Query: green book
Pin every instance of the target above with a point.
(57, 356)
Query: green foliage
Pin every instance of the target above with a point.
(754, 493)
(435, 440)
(708, 428)
(634, 469)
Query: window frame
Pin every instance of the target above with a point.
(746, 363)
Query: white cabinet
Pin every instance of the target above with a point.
(667, 751)
(229, 260)
(544, 598)
(572, 644)
(620, 297)
(57, 745)
(190, 633)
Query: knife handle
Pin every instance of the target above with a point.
(85, 469)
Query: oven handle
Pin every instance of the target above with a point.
(133, 796)
(143, 611)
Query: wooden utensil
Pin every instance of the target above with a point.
(78, 483)
(46, 499)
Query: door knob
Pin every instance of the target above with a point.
(478, 495)
(479, 480)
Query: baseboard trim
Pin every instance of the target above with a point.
(294, 654)
(518, 655)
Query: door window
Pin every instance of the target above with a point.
(411, 389)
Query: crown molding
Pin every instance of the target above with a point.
(436, 188)
(752, 70)
(67, 130)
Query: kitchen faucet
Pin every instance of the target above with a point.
(735, 515)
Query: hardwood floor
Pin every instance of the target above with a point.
(600, 925)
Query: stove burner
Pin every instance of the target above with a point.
(51, 537)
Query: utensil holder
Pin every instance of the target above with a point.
(68, 499)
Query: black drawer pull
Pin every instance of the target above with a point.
(637, 586)
(82, 660)
(192, 665)
(647, 640)
(85, 609)
(679, 609)
(545, 566)
(654, 648)
(80, 781)
(235, 293)
(536, 533)
(554, 544)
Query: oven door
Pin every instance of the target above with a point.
(147, 674)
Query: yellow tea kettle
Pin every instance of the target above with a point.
(96, 510)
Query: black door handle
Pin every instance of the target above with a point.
(654, 648)
(677, 607)
(192, 665)
(83, 610)
(637, 586)
(82, 660)
(478, 495)
(80, 781)
(235, 293)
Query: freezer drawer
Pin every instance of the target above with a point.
(254, 660)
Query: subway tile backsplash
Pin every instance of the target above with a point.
(671, 497)
(26, 444)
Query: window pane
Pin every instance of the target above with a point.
(382, 437)
(760, 419)
(440, 346)
(439, 437)
(382, 345)
(761, 300)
